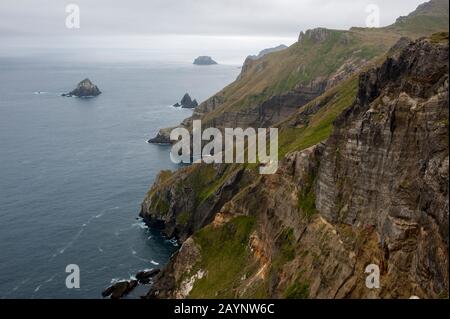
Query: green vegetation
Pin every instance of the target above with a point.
(225, 253)
(201, 180)
(307, 198)
(214, 184)
(439, 37)
(161, 206)
(320, 124)
(163, 178)
(183, 218)
(286, 252)
(225, 256)
(297, 290)
(300, 64)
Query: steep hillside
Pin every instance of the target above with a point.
(272, 88)
(363, 177)
(363, 180)
(428, 18)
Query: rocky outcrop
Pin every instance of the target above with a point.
(84, 89)
(120, 289)
(163, 137)
(187, 102)
(375, 192)
(204, 60)
(176, 203)
(314, 35)
(172, 283)
(208, 106)
(144, 277)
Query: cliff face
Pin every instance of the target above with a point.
(374, 192)
(386, 165)
(276, 85)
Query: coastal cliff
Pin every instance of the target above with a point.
(363, 179)
(274, 86)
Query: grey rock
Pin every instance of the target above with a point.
(143, 277)
(204, 60)
(315, 35)
(187, 102)
(84, 89)
(119, 289)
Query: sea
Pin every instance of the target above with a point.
(73, 172)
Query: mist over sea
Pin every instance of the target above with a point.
(74, 171)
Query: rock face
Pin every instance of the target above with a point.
(84, 89)
(120, 289)
(204, 60)
(394, 143)
(314, 35)
(143, 277)
(163, 136)
(375, 192)
(187, 102)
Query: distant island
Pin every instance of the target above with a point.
(204, 60)
(187, 102)
(267, 51)
(84, 89)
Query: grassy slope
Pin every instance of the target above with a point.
(280, 72)
(225, 253)
(427, 19)
(224, 250)
(320, 124)
(226, 257)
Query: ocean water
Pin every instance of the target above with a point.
(74, 171)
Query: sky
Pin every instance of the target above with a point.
(281, 18)
(253, 24)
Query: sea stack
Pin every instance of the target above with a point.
(84, 89)
(187, 102)
(204, 60)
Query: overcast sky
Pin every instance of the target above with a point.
(262, 18)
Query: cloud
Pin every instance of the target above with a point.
(284, 18)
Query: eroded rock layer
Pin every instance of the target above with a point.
(375, 192)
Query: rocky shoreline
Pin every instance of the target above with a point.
(122, 288)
